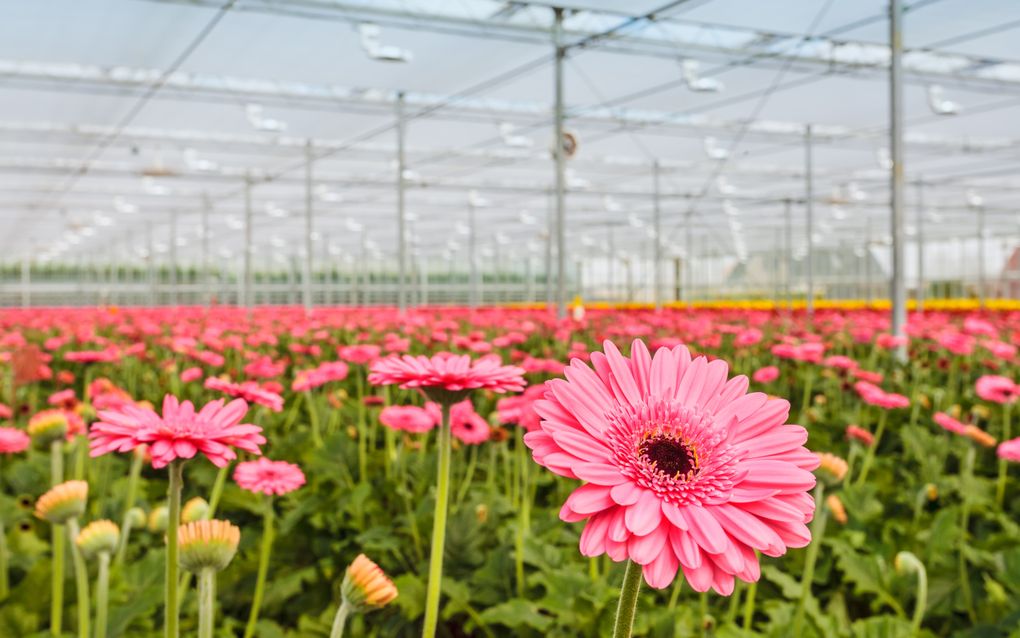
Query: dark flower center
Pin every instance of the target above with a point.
(669, 456)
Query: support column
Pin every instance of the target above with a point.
(26, 281)
(561, 248)
(867, 263)
(306, 269)
(247, 273)
(401, 216)
(206, 280)
(550, 231)
(174, 293)
(688, 258)
(809, 197)
(897, 287)
(657, 248)
(474, 297)
(982, 293)
(920, 246)
(788, 275)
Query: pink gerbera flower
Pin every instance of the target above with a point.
(268, 477)
(180, 432)
(950, 424)
(682, 468)
(247, 390)
(409, 418)
(768, 374)
(997, 389)
(446, 374)
(467, 425)
(1010, 450)
(13, 440)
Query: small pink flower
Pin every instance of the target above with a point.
(1010, 450)
(997, 389)
(408, 418)
(193, 373)
(268, 477)
(448, 372)
(180, 432)
(249, 391)
(768, 374)
(840, 362)
(950, 424)
(857, 433)
(13, 440)
(467, 425)
(360, 354)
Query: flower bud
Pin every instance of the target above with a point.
(135, 517)
(159, 518)
(831, 468)
(207, 544)
(835, 505)
(97, 537)
(194, 510)
(979, 436)
(63, 502)
(47, 426)
(366, 586)
(482, 513)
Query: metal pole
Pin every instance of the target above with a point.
(981, 254)
(688, 259)
(150, 263)
(247, 243)
(401, 216)
(788, 275)
(26, 281)
(206, 279)
(550, 230)
(809, 188)
(173, 258)
(306, 270)
(920, 246)
(897, 287)
(473, 296)
(867, 262)
(657, 248)
(561, 248)
(611, 263)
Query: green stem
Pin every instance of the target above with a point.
(438, 528)
(81, 457)
(469, 475)
(340, 620)
(869, 458)
(313, 416)
(57, 591)
(217, 491)
(102, 594)
(171, 611)
(134, 476)
(966, 475)
(57, 462)
(5, 582)
(1000, 485)
(260, 582)
(627, 607)
(749, 606)
(362, 431)
(805, 401)
(206, 602)
(81, 580)
(908, 562)
(807, 577)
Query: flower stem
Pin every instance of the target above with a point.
(869, 457)
(438, 528)
(817, 533)
(170, 611)
(749, 606)
(966, 475)
(57, 462)
(908, 562)
(81, 580)
(57, 591)
(260, 581)
(627, 606)
(313, 416)
(102, 594)
(340, 620)
(1000, 485)
(206, 602)
(5, 582)
(217, 491)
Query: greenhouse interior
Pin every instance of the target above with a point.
(463, 318)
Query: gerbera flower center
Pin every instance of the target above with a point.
(669, 456)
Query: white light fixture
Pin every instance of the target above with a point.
(526, 218)
(697, 83)
(370, 41)
(576, 182)
(724, 187)
(611, 205)
(938, 104)
(884, 158)
(477, 200)
(198, 164)
(511, 139)
(275, 211)
(326, 195)
(353, 226)
(261, 123)
(123, 206)
(974, 200)
(153, 188)
(714, 151)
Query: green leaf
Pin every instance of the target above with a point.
(517, 613)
